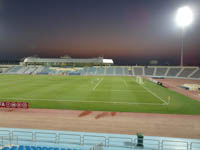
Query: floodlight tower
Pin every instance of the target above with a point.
(184, 18)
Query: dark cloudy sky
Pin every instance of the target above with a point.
(129, 31)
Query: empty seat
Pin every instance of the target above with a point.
(6, 148)
(186, 72)
(173, 72)
(21, 147)
(161, 71)
(28, 147)
(14, 148)
(148, 71)
(138, 71)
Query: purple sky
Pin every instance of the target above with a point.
(128, 31)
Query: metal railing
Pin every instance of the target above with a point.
(99, 142)
(149, 143)
(178, 145)
(69, 139)
(93, 140)
(195, 146)
(120, 142)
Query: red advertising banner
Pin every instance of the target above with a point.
(23, 105)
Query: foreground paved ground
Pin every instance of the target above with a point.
(187, 126)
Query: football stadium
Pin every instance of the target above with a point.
(98, 102)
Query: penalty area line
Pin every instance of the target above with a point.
(125, 83)
(152, 93)
(97, 84)
(83, 101)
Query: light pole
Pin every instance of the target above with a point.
(184, 18)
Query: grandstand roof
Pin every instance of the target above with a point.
(68, 60)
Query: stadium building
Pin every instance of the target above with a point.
(67, 61)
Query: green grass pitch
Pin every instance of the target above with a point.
(121, 94)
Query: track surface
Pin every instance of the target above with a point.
(186, 126)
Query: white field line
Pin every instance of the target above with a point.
(152, 93)
(125, 83)
(97, 84)
(80, 101)
(136, 91)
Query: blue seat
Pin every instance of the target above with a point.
(45, 148)
(33, 148)
(6, 148)
(21, 147)
(27, 147)
(39, 148)
(14, 148)
(51, 148)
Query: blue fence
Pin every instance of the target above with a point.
(90, 141)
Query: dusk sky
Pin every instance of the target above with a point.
(128, 31)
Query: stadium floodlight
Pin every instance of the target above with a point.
(184, 18)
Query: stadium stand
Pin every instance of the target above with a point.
(91, 71)
(118, 71)
(30, 70)
(178, 72)
(38, 69)
(100, 70)
(109, 70)
(84, 71)
(126, 71)
(66, 61)
(56, 72)
(14, 70)
(130, 71)
(45, 70)
(8, 69)
(138, 71)
(196, 74)
(22, 70)
(96, 66)
(173, 71)
(148, 71)
(186, 72)
(74, 71)
(160, 71)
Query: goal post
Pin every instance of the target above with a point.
(139, 80)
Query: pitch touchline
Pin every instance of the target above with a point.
(79, 101)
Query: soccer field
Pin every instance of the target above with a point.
(94, 93)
